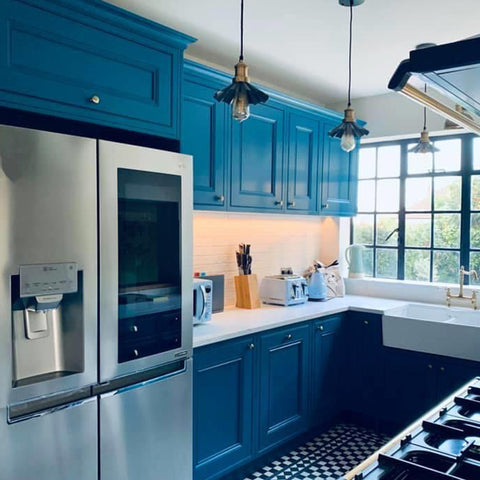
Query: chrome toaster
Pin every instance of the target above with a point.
(284, 290)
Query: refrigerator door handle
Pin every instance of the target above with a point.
(12, 418)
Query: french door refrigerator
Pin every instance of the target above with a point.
(95, 309)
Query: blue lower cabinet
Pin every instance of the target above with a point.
(257, 160)
(453, 373)
(222, 403)
(283, 385)
(339, 178)
(203, 136)
(302, 164)
(328, 369)
(92, 62)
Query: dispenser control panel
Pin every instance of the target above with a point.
(48, 279)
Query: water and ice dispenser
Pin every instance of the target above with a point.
(47, 315)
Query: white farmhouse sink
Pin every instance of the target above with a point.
(453, 332)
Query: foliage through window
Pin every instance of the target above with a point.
(419, 214)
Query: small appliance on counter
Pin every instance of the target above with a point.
(317, 286)
(202, 300)
(284, 290)
(218, 294)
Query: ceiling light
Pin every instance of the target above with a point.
(240, 93)
(349, 130)
(424, 145)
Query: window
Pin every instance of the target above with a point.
(419, 214)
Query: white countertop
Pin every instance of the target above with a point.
(236, 322)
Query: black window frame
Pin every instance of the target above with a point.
(466, 173)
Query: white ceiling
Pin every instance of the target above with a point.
(300, 46)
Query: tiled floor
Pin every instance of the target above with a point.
(326, 457)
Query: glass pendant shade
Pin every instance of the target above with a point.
(424, 145)
(348, 131)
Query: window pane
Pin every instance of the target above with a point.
(418, 230)
(475, 192)
(418, 194)
(449, 157)
(446, 266)
(386, 224)
(366, 195)
(475, 265)
(476, 153)
(419, 162)
(388, 195)
(417, 265)
(366, 162)
(475, 230)
(363, 229)
(386, 263)
(389, 161)
(446, 230)
(368, 262)
(448, 193)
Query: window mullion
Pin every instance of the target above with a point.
(467, 167)
(401, 212)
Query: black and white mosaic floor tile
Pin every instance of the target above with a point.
(326, 457)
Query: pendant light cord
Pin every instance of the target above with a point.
(349, 55)
(425, 113)
(241, 30)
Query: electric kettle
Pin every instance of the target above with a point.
(317, 286)
(354, 257)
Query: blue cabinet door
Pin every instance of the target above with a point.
(303, 155)
(89, 62)
(339, 178)
(284, 370)
(328, 369)
(203, 135)
(257, 160)
(222, 407)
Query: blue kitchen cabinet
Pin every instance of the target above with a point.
(256, 181)
(339, 177)
(92, 62)
(203, 135)
(222, 407)
(303, 162)
(328, 368)
(283, 385)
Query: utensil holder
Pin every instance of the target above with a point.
(246, 289)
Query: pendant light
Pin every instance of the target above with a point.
(240, 93)
(424, 145)
(349, 130)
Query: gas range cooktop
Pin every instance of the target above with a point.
(443, 445)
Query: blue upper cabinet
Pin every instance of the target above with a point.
(284, 372)
(203, 136)
(222, 407)
(89, 61)
(303, 159)
(339, 177)
(257, 159)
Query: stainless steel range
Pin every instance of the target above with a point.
(96, 309)
(443, 445)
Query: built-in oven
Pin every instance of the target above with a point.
(145, 258)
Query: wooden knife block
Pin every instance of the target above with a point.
(246, 289)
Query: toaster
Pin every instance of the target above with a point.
(284, 290)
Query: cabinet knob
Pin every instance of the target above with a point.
(320, 327)
(292, 204)
(135, 352)
(430, 366)
(288, 337)
(134, 329)
(366, 322)
(251, 346)
(279, 203)
(442, 369)
(95, 99)
(324, 205)
(220, 198)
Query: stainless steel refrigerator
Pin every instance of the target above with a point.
(95, 309)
